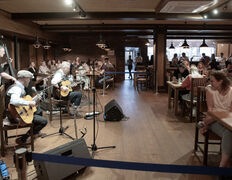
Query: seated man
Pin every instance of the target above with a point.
(81, 74)
(62, 75)
(106, 67)
(15, 93)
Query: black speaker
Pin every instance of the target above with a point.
(49, 171)
(113, 112)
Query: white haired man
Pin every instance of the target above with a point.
(62, 75)
(15, 93)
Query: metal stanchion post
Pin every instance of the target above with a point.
(104, 85)
(21, 163)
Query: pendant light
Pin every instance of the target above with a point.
(37, 44)
(171, 46)
(185, 44)
(46, 45)
(203, 44)
(101, 43)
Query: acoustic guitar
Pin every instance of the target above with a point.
(24, 113)
(67, 84)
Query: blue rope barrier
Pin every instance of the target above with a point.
(134, 165)
(126, 73)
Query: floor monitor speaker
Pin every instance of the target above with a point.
(49, 171)
(113, 112)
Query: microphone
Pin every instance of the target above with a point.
(34, 89)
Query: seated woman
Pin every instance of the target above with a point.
(188, 81)
(181, 71)
(219, 98)
(81, 74)
(201, 68)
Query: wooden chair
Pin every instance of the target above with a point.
(210, 138)
(142, 79)
(191, 103)
(5, 128)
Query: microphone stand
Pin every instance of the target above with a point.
(94, 146)
(62, 129)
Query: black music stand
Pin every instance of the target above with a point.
(94, 146)
(62, 129)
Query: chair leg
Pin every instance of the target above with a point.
(196, 139)
(32, 138)
(6, 137)
(2, 144)
(205, 156)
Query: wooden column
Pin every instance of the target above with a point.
(160, 56)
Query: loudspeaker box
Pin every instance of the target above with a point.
(113, 112)
(56, 171)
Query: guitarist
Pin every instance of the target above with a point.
(62, 75)
(15, 93)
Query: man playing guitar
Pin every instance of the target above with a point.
(62, 75)
(16, 93)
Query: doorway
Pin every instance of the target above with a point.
(130, 51)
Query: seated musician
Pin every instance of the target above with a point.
(219, 98)
(106, 67)
(60, 76)
(2, 73)
(15, 93)
(81, 74)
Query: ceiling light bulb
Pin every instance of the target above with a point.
(215, 11)
(68, 2)
(205, 16)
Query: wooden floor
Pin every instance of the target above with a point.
(151, 135)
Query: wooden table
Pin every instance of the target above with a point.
(176, 87)
(223, 117)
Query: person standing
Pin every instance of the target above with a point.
(130, 65)
(2, 73)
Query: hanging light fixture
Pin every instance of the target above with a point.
(37, 44)
(185, 44)
(46, 45)
(107, 47)
(147, 43)
(171, 46)
(203, 44)
(101, 43)
(67, 48)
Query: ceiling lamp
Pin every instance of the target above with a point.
(37, 44)
(67, 48)
(203, 44)
(107, 47)
(147, 43)
(185, 44)
(46, 45)
(101, 43)
(171, 47)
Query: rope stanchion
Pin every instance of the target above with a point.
(165, 168)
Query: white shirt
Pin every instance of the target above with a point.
(58, 76)
(16, 92)
(221, 103)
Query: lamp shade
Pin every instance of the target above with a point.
(37, 44)
(171, 46)
(67, 48)
(203, 44)
(46, 45)
(185, 44)
(101, 43)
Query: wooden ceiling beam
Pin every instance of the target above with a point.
(105, 16)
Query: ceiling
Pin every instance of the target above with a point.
(129, 17)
